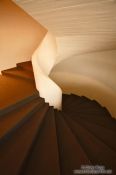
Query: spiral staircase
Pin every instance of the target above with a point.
(36, 139)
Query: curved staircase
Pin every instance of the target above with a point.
(36, 139)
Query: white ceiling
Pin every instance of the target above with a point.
(79, 25)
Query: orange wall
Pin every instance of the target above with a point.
(20, 34)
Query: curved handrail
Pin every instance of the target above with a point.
(43, 60)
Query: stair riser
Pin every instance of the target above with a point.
(18, 104)
(29, 78)
(22, 122)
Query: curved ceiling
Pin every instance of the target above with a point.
(80, 26)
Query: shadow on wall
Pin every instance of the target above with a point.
(83, 85)
(100, 66)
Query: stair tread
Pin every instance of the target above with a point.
(91, 110)
(10, 120)
(89, 106)
(96, 119)
(97, 151)
(75, 100)
(13, 90)
(72, 156)
(26, 66)
(14, 151)
(68, 100)
(78, 103)
(84, 110)
(44, 158)
(105, 134)
(21, 73)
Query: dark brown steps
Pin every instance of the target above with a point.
(91, 111)
(74, 99)
(86, 110)
(64, 98)
(67, 100)
(98, 152)
(10, 121)
(84, 106)
(72, 155)
(103, 134)
(19, 73)
(96, 119)
(15, 150)
(81, 103)
(36, 139)
(18, 104)
(26, 66)
(14, 91)
(44, 157)
(71, 99)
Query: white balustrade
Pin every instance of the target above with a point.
(43, 60)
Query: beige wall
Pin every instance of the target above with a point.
(20, 34)
(100, 66)
(92, 75)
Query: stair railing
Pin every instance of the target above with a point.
(43, 60)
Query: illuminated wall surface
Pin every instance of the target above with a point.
(19, 34)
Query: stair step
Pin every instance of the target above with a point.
(13, 91)
(108, 114)
(96, 119)
(19, 73)
(104, 134)
(68, 101)
(77, 97)
(64, 98)
(10, 121)
(72, 99)
(18, 104)
(44, 158)
(87, 110)
(83, 106)
(26, 66)
(98, 152)
(75, 100)
(14, 151)
(72, 156)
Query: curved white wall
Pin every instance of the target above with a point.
(43, 59)
(92, 75)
